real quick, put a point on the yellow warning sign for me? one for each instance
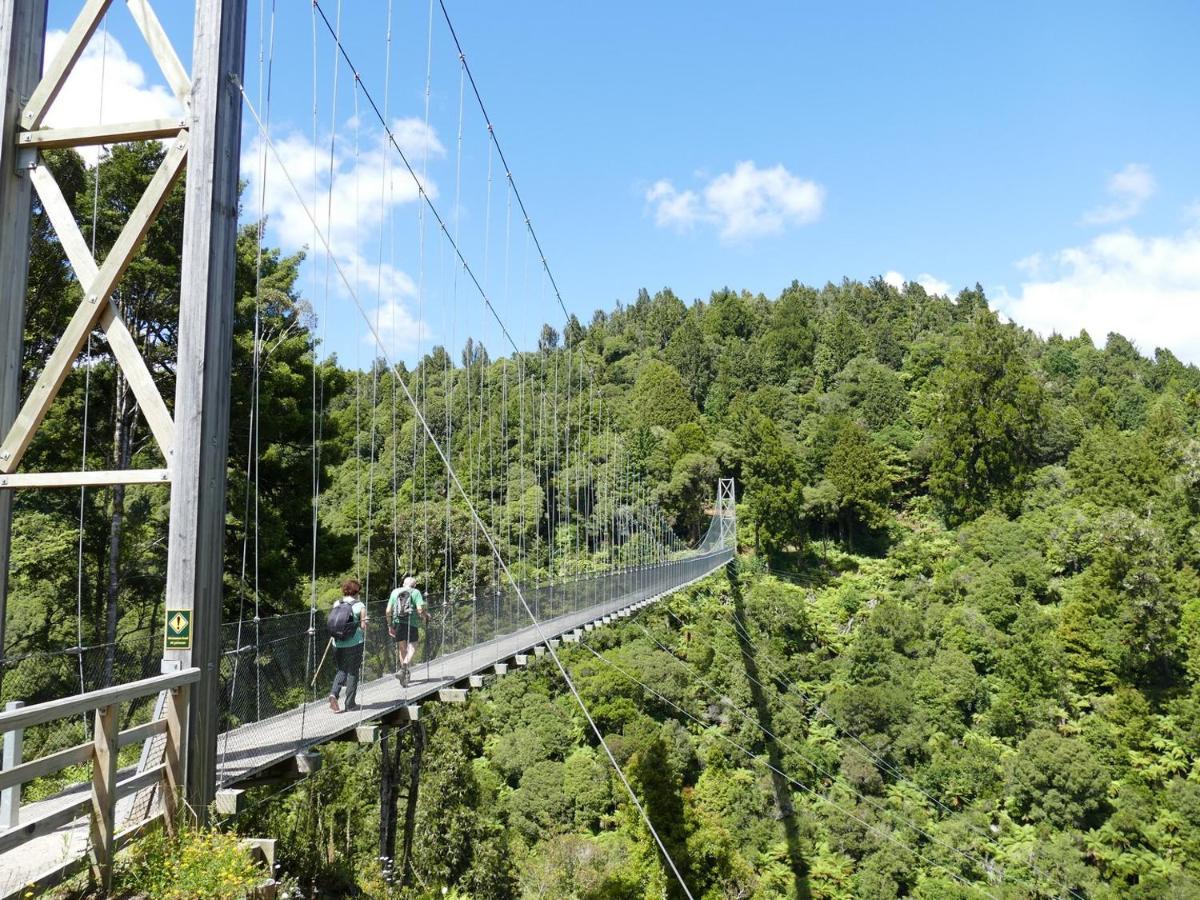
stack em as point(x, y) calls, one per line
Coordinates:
point(179, 629)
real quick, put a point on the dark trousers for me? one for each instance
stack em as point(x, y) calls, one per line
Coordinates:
point(348, 661)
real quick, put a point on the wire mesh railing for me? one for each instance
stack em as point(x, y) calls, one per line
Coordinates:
point(272, 666)
point(277, 666)
point(37, 676)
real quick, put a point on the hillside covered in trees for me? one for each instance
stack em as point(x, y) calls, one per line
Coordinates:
point(960, 653)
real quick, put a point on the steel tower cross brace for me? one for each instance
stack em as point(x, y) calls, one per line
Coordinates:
point(205, 140)
point(727, 510)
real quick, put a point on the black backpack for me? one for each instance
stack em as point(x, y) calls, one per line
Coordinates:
point(401, 605)
point(342, 622)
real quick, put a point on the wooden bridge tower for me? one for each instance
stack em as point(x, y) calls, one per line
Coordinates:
point(204, 142)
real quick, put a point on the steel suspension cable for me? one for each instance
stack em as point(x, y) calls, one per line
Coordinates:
point(452, 475)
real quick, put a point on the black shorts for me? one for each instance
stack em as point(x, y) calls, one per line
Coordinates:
point(408, 633)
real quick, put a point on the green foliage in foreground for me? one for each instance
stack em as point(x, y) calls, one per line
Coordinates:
point(193, 863)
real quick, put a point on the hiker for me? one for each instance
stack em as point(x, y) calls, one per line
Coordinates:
point(405, 610)
point(347, 623)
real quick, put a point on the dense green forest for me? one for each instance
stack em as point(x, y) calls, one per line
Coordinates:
point(959, 653)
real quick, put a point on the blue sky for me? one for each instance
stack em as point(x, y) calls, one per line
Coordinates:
point(1045, 150)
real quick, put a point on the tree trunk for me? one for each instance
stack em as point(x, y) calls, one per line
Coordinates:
point(410, 812)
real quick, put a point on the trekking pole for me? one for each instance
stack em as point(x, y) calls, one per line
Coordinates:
point(317, 674)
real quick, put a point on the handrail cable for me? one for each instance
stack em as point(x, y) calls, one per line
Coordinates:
point(453, 475)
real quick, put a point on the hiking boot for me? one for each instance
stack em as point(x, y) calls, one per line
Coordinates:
point(404, 676)
point(333, 703)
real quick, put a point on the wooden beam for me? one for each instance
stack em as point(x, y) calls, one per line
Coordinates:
point(410, 713)
point(520, 660)
point(22, 38)
point(46, 824)
point(69, 867)
point(174, 752)
point(452, 695)
point(264, 848)
point(145, 779)
point(59, 68)
point(10, 794)
point(141, 382)
point(476, 681)
point(196, 536)
point(39, 713)
point(104, 797)
point(94, 478)
point(128, 356)
point(162, 49)
point(359, 734)
point(46, 765)
point(91, 135)
point(539, 650)
point(500, 669)
point(139, 733)
point(87, 314)
point(307, 762)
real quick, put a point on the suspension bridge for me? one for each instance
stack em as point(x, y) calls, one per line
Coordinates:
point(528, 515)
point(512, 486)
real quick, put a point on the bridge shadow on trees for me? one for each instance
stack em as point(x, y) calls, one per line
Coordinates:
point(779, 784)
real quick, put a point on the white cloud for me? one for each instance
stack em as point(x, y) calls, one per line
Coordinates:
point(366, 188)
point(397, 327)
point(752, 201)
point(931, 284)
point(1130, 189)
point(1146, 288)
point(672, 207)
point(1031, 265)
point(106, 86)
point(745, 203)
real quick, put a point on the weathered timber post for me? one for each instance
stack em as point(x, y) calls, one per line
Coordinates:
point(195, 564)
point(104, 796)
point(22, 35)
point(173, 778)
point(10, 797)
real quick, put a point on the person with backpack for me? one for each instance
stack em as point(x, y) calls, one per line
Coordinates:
point(405, 610)
point(347, 624)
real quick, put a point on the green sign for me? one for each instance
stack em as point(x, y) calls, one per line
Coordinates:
point(179, 629)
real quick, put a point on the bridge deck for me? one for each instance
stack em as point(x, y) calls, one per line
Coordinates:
point(257, 746)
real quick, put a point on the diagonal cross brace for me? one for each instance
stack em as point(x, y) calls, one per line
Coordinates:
point(76, 41)
point(57, 70)
point(164, 52)
point(92, 309)
point(123, 347)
